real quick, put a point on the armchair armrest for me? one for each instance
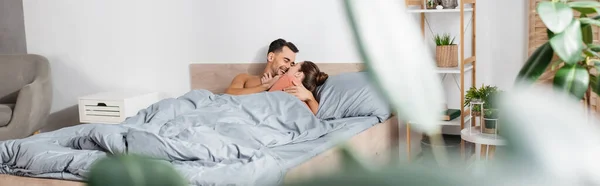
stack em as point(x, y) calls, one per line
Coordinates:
point(33, 104)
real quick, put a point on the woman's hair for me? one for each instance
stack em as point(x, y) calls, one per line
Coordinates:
point(313, 77)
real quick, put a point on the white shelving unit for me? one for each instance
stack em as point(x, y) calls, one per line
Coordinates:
point(465, 63)
point(438, 11)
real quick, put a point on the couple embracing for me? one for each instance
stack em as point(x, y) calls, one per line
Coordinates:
point(282, 73)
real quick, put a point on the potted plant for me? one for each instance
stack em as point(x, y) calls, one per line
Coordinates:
point(490, 120)
point(446, 52)
point(479, 94)
point(431, 4)
point(490, 112)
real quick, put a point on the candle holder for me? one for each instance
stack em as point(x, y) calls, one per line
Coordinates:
point(475, 107)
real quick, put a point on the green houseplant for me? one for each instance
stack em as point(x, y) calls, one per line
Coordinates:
point(431, 4)
point(481, 94)
point(488, 94)
point(570, 38)
point(491, 111)
point(446, 52)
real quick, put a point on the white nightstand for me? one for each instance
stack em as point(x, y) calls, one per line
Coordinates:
point(114, 107)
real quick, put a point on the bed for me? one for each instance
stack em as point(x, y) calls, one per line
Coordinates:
point(374, 142)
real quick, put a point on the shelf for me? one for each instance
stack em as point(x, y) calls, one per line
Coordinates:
point(453, 70)
point(454, 122)
point(456, 10)
point(473, 135)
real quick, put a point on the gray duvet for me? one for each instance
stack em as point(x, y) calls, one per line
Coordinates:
point(211, 139)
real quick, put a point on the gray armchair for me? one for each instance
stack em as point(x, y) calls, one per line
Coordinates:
point(25, 95)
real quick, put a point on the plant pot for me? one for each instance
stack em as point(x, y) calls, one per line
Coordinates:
point(446, 55)
point(476, 113)
point(449, 4)
point(490, 126)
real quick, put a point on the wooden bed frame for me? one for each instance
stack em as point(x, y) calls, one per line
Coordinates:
point(376, 145)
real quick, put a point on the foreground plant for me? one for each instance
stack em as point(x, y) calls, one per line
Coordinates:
point(133, 170)
point(570, 38)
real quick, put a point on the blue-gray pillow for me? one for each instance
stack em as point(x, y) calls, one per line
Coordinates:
point(351, 94)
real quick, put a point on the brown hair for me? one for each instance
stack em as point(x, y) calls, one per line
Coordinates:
point(313, 77)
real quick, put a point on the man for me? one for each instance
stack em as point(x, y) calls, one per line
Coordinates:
point(280, 57)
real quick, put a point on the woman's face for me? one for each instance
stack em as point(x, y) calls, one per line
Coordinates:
point(295, 71)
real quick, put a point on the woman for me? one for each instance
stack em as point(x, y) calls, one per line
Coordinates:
point(302, 80)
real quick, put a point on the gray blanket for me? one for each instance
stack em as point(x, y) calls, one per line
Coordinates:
point(211, 139)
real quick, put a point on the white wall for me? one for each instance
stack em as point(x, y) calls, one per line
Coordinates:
point(147, 45)
point(508, 46)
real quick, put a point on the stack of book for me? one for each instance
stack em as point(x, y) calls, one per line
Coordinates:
point(451, 114)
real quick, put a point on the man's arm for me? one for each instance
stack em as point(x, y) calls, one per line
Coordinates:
point(237, 86)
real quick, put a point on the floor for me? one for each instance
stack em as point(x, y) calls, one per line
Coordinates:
point(421, 149)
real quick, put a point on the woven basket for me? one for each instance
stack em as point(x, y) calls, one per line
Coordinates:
point(446, 55)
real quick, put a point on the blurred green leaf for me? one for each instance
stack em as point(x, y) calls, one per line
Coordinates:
point(555, 64)
point(573, 79)
point(132, 170)
point(595, 80)
point(550, 33)
point(590, 53)
point(587, 34)
point(589, 21)
point(596, 63)
point(594, 84)
point(349, 159)
point(537, 63)
point(594, 47)
point(555, 15)
point(585, 7)
point(567, 44)
point(376, 49)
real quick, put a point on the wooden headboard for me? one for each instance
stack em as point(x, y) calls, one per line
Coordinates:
point(217, 77)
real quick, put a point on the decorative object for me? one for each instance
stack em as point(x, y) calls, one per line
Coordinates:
point(439, 7)
point(476, 103)
point(449, 4)
point(431, 4)
point(446, 52)
point(451, 114)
